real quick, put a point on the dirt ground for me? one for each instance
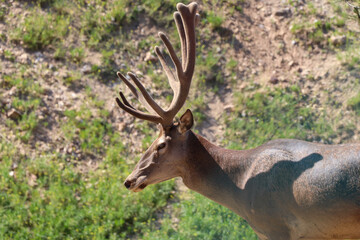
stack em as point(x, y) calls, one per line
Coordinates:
point(259, 38)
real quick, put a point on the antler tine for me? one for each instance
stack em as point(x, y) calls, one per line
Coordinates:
point(189, 18)
point(180, 28)
point(130, 86)
point(138, 95)
point(149, 100)
point(131, 110)
point(186, 27)
point(125, 100)
point(172, 53)
point(174, 84)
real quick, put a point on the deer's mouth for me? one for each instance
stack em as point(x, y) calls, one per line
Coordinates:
point(139, 184)
point(140, 188)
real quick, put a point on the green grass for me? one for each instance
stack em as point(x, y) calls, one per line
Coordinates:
point(272, 114)
point(214, 20)
point(77, 54)
point(39, 29)
point(26, 100)
point(354, 103)
point(64, 203)
point(3, 12)
point(196, 217)
point(9, 55)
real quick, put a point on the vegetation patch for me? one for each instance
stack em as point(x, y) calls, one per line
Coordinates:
point(273, 114)
point(39, 29)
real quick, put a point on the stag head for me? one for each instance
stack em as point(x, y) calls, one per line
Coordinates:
point(165, 157)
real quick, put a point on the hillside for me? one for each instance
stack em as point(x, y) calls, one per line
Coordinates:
point(264, 70)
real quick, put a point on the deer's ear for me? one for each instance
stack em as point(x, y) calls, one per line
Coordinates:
point(186, 121)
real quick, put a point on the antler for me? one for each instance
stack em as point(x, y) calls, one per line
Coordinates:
point(186, 19)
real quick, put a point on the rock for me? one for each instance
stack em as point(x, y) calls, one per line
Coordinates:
point(243, 113)
point(48, 91)
point(39, 57)
point(2, 103)
point(267, 12)
point(86, 69)
point(14, 166)
point(13, 114)
point(12, 91)
point(229, 108)
point(150, 57)
point(52, 67)
point(121, 126)
point(32, 180)
point(338, 40)
point(292, 64)
point(274, 80)
point(285, 12)
point(24, 58)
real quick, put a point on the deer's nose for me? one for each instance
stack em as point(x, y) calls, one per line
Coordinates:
point(127, 184)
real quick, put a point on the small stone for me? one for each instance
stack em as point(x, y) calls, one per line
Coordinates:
point(52, 67)
point(32, 180)
point(14, 166)
point(48, 91)
point(243, 113)
point(285, 12)
point(150, 58)
point(229, 108)
point(338, 40)
point(2, 103)
point(121, 126)
point(274, 80)
point(24, 58)
point(294, 42)
point(69, 150)
point(39, 55)
point(292, 64)
point(12, 91)
point(86, 69)
point(13, 114)
point(137, 73)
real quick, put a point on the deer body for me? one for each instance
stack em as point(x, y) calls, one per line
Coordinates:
point(285, 189)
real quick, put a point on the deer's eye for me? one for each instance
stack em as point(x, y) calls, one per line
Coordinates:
point(161, 146)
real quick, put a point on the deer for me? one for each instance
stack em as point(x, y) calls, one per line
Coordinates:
point(285, 188)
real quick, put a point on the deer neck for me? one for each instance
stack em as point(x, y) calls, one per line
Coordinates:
point(208, 172)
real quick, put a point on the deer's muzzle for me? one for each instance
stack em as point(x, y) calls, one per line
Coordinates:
point(136, 184)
